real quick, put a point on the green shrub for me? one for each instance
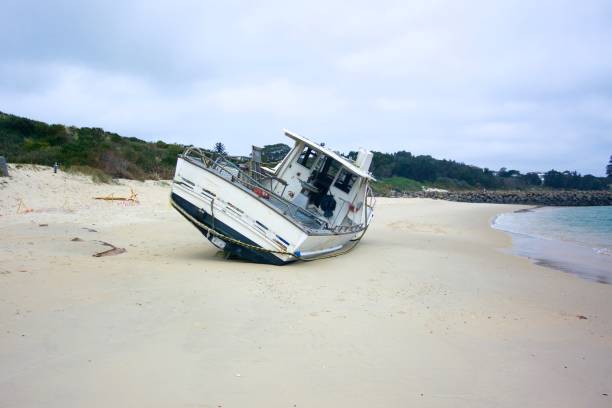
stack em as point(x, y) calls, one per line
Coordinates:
point(387, 185)
point(97, 175)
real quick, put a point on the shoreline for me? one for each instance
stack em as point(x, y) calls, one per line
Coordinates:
point(578, 258)
point(425, 298)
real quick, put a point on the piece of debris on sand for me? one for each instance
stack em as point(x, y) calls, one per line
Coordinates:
point(22, 208)
point(113, 251)
point(132, 198)
point(76, 239)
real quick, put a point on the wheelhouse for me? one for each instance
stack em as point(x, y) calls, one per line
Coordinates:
point(322, 181)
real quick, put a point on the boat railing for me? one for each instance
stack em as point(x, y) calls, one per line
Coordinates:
point(255, 182)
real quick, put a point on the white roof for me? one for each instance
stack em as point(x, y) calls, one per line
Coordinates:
point(327, 152)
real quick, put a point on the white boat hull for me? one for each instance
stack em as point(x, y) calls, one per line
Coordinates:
point(244, 225)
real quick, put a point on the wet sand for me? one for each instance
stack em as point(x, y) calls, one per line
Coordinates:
point(565, 256)
point(429, 310)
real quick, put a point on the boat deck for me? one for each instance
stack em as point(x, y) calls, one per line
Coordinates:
point(234, 175)
point(303, 217)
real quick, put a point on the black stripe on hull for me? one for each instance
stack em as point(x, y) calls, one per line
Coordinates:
point(238, 251)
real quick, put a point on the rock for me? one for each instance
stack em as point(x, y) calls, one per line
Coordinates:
point(538, 198)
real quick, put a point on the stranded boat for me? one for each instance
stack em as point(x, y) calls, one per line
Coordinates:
point(313, 204)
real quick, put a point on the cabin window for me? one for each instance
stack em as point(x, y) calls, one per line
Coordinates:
point(334, 167)
point(345, 181)
point(307, 158)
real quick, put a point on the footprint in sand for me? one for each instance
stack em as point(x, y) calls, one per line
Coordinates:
point(422, 228)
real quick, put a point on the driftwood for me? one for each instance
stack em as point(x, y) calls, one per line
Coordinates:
point(113, 251)
point(133, 197)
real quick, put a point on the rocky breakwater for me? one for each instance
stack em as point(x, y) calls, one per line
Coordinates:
point(542, 197)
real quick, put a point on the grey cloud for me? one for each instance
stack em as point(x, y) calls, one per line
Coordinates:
point(507, 83)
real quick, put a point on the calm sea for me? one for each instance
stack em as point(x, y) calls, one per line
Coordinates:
point(573, 239)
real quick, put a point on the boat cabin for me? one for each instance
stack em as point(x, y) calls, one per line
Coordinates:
point(323, 182)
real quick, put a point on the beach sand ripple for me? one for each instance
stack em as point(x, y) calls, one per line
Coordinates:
point(427, 311)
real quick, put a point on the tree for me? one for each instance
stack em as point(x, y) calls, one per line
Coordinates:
point(554, 179)
point(503, 172)
point(609, 168)
point(382, 164)
point(274, 153)
point(531, 179)
point(219, 149)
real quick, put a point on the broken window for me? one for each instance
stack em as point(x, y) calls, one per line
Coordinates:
point(345, 181)
point(307, 158)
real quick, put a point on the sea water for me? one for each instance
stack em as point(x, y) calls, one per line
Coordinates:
point(572, 239)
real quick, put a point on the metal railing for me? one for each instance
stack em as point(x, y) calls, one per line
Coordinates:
point(255, 184)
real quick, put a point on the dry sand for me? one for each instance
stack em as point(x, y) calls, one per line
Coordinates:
point(428, 311)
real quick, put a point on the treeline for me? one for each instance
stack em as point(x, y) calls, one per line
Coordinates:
point(429, 170)
point(27, 141)
point(574, 181)
point(452, 175)
point(94, 150)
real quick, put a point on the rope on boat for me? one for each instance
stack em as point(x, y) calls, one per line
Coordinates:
point(256, 247)
point(223, 236)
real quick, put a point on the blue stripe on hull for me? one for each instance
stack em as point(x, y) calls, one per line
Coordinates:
point(238, 251)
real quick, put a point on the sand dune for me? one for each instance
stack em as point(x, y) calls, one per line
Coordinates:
point(429, 311)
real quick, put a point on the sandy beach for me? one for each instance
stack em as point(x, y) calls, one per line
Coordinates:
point(430, 310)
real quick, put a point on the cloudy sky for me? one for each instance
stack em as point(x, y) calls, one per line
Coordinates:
point(522, 84)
